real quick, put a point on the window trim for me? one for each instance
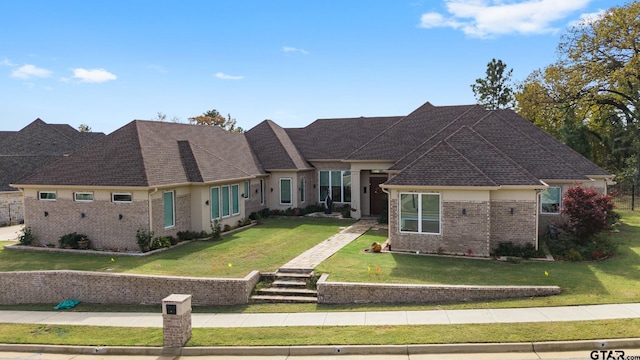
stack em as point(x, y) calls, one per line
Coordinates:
point(40, 193)
point(419, 220)
point(217, 204)
point(75, 196)
point(290, 191)
point(113, 200)
point(247, 189)
point(342, 186)
point(542, 212)
point(173, 208)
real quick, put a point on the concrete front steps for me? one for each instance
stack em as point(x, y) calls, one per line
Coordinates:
point(289, 286)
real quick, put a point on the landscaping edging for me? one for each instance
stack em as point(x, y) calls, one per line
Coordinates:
point(370, 293)
point(34, 287)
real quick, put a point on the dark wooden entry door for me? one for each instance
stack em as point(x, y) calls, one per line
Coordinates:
point(376, 195)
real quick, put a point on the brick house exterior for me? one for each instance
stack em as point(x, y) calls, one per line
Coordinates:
point(453, 179)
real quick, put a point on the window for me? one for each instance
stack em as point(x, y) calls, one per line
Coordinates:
point(285, 191)
point(235, 199)
point(225, 201)
point(420, 213)
point(47, 195)
point(215, 203)
point(169, 209)
point(337, 184)
point(550, 200)
point(121, 197)
point(261, 191)
point(246, 190)
point(83, 196)
point(302, 190)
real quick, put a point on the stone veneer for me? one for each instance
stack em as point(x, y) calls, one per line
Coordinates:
point(35, 287)
point(182, 218)
point(102, 221)
point(368, 293)
point(11, 208)
point(461, 233)
point(518, 228)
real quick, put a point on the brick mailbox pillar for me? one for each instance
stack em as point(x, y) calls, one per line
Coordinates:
point(176, 320)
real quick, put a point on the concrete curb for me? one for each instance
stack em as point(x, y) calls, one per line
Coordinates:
point(319, 350)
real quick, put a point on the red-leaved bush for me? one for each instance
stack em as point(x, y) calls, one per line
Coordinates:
point(588, 212)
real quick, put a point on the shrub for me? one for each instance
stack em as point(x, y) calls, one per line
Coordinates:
point(346, 211)
point(143, 238)
point(190, 235)
point(510, 249)
point(70, 241)
point(216, 230)
point(161, 242)
point(226, 228)
point(27, 237)
point(588, 213)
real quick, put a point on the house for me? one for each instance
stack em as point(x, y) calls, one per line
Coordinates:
point(453, 179)
point(24, 151)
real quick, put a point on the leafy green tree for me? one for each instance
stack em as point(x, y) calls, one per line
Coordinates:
point(494, 91)
point(214, 118)
point(596, 79)
point(84, 128)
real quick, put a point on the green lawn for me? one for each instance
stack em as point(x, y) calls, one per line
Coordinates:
point(614, 280)
point(264, 247)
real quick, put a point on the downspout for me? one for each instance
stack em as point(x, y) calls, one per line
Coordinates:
point(151, 209)
point(388, 214)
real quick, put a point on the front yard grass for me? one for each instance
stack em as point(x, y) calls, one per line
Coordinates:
point(614, 280)
point(264, 247)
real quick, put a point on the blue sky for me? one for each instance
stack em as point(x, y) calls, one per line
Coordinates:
point(105, 63)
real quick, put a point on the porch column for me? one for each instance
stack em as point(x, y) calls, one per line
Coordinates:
point(356, 190)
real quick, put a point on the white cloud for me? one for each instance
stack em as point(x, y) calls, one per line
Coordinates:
point(6, 62)
point(93, 75)
point(487, 18)
point(30, 71)
point(224, 76)
point(290, 49)
point(588, 18)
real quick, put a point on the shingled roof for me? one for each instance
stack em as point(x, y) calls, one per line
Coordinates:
point(274, 148)
point(36, 145)
point(150, 153)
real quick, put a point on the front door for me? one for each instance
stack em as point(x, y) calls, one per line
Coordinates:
point(376, 195)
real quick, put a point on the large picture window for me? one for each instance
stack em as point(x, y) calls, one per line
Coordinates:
point(420, 213)
point(285, 191)
point(225, 201)
point(550, 200)
point(337, 184)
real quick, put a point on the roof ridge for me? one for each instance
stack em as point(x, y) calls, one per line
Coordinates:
point(473, 165)
point(494, 148)
point(282, 135)
point(537, 144)
point(414, 150)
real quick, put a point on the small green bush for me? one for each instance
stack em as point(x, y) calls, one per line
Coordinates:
point(510, 249)
point(70, 241)
point(27, 237)
point(143, 238)
point(161, 242)
point(216, 230)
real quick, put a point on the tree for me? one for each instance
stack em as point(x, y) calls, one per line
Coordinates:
point(494, 91)
point(162, 117)
point(84, 128)
point(214, 118)
point(597, 76)
point(588, 212)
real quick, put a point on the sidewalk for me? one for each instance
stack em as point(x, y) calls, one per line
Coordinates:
point(10, 232)
point(358, 318)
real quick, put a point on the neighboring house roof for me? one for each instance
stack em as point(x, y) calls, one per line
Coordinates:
point(151, 153)
point(274, 148)
point(335, 139)
point(36, 145)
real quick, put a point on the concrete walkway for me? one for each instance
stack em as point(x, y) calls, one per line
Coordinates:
point(10, 232)
point(309, 259)
point(338, 318)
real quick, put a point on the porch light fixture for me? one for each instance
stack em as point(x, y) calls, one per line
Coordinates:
point(256, 191)
point(46, 213)
point(464, 211)
point(120, 216)
point(512, 211)
point(271, 189)
point(206, 202)
point(82, 215)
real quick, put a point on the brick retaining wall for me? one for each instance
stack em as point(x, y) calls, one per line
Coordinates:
point(369, 293)
point(34, 287)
